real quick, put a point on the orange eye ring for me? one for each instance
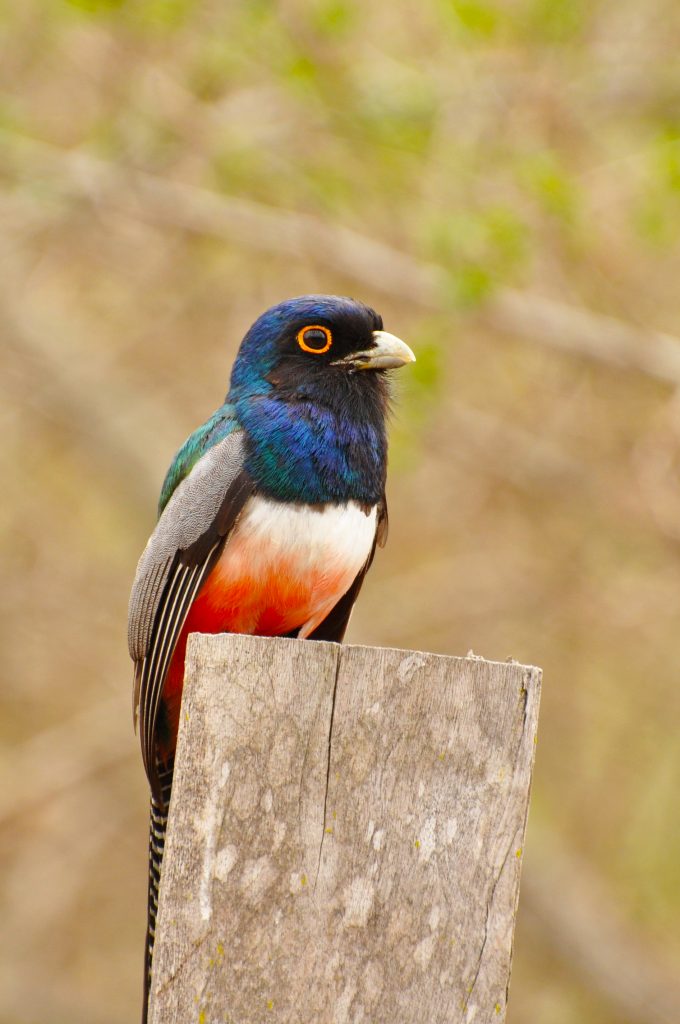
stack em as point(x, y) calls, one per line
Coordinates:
point(305, 345)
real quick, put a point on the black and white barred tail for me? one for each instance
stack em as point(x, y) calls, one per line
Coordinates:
point(157, 828)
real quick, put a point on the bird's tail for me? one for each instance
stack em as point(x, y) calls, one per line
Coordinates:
point(157, 827)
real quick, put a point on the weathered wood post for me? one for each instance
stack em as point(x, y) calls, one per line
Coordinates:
point(345, 836)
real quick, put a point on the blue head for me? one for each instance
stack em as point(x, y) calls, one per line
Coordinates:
point(272, 342)
point(309, 387)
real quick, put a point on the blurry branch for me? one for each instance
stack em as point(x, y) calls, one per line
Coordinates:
point(564, 899)
point(251, 224)
point(376, 265)
point(601, 338)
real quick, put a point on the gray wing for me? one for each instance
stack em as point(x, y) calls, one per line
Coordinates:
point(177, 559)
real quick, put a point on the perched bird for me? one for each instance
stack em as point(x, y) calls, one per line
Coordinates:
point(269, 515)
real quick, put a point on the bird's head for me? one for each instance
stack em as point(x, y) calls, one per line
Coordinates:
point(304, 346)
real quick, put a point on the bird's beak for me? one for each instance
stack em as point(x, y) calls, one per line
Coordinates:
point(387, 353)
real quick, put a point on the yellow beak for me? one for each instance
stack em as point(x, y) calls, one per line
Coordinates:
point(387, 353)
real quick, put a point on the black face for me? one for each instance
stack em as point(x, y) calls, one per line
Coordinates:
point(304, 347)
point(326, 334)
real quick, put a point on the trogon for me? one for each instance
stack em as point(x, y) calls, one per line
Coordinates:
point(269, 515)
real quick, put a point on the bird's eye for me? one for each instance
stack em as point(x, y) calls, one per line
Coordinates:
point(314, 339)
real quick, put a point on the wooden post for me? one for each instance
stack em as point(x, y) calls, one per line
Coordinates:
point(345, 835)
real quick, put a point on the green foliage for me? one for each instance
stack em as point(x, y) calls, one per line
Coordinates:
point(97, 6)
point(426, 376)
point(419, 391)
point(664, 162)
point(149, 16)
point(333, 18)
point(534, 22)
point(163, 15)
point(478, 17)
point(479, 249)
point(545, 178)
point(656, 214)
point(557, 21)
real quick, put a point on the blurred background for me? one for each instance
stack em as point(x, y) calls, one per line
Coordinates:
point(501, 180)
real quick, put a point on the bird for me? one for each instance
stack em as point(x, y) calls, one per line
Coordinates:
point(269, 515)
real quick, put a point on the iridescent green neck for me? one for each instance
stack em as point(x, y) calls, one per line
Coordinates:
point(220, 424)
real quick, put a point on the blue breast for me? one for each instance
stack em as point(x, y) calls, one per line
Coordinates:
point(311, 452)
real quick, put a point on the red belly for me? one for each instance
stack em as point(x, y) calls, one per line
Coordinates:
point(282, 569)
point(272, 605)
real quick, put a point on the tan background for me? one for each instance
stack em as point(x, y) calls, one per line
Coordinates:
point(502, 181)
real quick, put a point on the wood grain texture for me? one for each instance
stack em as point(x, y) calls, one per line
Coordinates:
point(345, 835)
